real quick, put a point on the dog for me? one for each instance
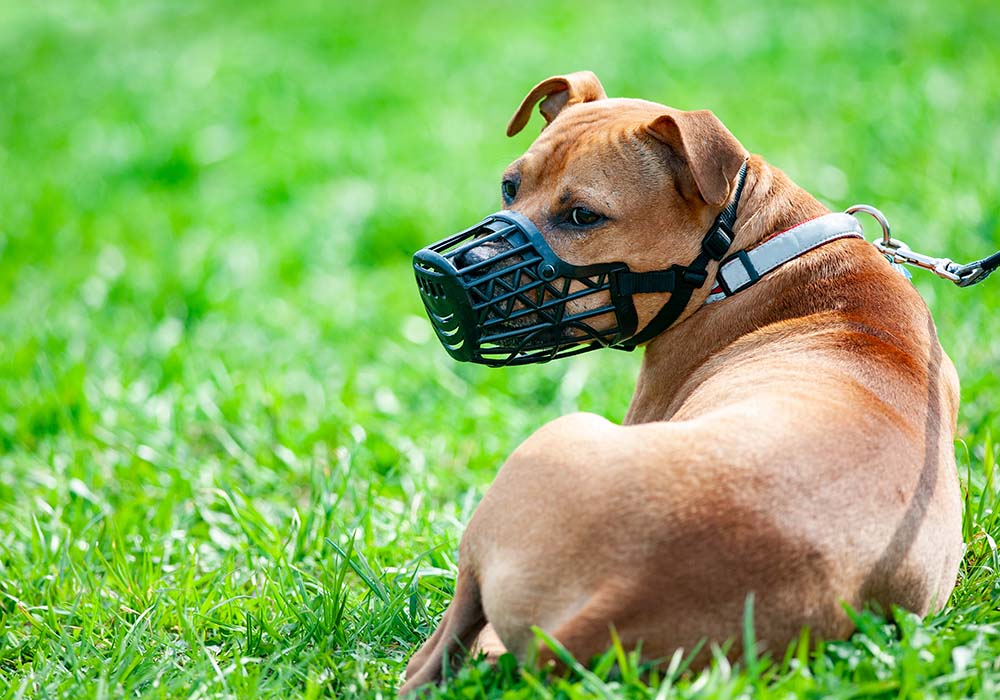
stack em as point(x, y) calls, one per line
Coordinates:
point(793, 440)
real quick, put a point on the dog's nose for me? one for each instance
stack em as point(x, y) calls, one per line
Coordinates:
point(482, 253)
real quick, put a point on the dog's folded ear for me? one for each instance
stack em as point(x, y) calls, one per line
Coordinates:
point(559, 92)
point(713, 155)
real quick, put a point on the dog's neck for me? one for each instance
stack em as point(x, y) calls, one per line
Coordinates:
point(770, 203)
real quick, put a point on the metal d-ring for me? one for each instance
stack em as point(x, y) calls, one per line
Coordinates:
point(879, 217)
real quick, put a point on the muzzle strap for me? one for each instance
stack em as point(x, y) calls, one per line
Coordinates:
point(683, 280)
point(646, 282)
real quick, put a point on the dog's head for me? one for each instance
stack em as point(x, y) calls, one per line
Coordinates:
point(621, 180)
point(606, 213)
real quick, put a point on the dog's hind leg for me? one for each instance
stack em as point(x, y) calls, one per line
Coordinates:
point(489, 643)
point(587, 632)
point(459, 627)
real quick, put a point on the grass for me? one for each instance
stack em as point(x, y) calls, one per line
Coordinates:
point(233, 461)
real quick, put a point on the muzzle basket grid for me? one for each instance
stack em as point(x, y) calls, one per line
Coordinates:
point(497, 295)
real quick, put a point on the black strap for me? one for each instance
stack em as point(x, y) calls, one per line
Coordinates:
point(682, 280)
point(629, 283)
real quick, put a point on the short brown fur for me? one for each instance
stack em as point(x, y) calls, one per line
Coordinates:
point(793, 441)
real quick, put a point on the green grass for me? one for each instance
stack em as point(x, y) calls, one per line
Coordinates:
point(233, 460)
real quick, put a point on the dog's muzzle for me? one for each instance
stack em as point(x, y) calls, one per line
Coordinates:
point(497, 295)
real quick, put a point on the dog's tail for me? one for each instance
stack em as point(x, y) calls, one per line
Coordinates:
point(461, 623)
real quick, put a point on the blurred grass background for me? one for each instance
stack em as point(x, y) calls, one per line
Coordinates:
point(214, 369)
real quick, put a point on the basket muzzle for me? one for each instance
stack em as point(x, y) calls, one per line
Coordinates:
point(498, 295)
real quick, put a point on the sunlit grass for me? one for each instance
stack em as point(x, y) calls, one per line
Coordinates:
point(233, 461)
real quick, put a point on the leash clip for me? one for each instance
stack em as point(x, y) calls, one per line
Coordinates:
point(898, 252)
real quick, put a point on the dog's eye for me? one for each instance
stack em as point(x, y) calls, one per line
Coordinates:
point(584, 217)
point(509, 189)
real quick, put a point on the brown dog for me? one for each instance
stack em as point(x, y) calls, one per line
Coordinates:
point(793, 440)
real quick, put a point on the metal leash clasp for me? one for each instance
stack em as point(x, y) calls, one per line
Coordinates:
point(898, 252)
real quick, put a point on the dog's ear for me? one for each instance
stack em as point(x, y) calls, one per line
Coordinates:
point(713, 155)
point(559, 92)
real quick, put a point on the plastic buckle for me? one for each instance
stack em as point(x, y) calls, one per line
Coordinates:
point(717, 242)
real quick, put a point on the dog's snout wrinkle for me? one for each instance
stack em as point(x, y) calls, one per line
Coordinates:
point(482, 253)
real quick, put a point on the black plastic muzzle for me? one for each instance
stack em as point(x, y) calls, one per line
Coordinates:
point(498, 295)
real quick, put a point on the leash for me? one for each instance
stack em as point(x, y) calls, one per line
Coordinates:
point(898, 252)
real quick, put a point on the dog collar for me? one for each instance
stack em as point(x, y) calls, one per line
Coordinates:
point(746, 267)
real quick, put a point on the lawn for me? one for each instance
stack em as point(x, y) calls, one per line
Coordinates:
point(234, 462)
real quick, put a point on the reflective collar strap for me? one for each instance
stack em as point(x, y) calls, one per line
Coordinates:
point(745, 267)
point(680, 280)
